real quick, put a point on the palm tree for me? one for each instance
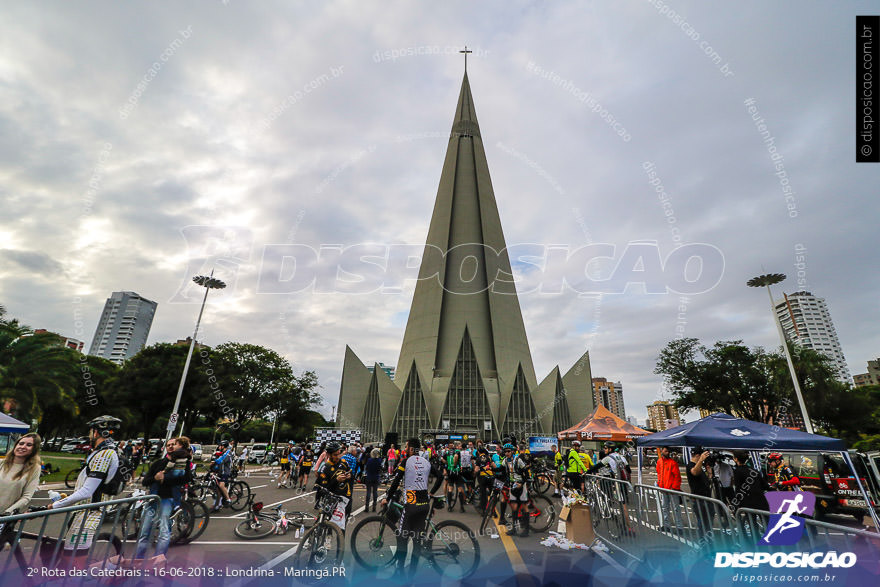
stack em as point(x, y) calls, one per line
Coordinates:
point(35, 372)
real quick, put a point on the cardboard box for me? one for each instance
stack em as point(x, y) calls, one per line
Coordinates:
point(564, 514)
point(579, 526)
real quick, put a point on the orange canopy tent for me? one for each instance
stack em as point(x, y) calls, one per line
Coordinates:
point(602, 425)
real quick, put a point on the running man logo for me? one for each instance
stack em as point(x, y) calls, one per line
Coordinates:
point(786, 527)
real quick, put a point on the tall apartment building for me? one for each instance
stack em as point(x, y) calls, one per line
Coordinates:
point(872, 377)
point(806, 322)
point(124, 326)
point(662, 415)
point(610, 395)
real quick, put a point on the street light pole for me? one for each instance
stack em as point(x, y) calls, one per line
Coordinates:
point(767, 281)
point(208, 283)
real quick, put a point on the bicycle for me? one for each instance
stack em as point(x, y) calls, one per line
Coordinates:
point(322, 545)
point(542, 479)
point(73, 475)
point(189, 519)
point(604, 508)
point(260, 523)
point(239, 491)
point(541, 511)
point(471, 494)
point(446, 545)
point(51, 550)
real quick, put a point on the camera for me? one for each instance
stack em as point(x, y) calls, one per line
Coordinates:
point(716, 457)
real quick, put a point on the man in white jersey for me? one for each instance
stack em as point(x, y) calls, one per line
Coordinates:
point(413, 470)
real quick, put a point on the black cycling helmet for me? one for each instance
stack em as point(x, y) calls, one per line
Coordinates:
point(609, 445)
point(332, 447)
point(107, 424)
point(224, 443)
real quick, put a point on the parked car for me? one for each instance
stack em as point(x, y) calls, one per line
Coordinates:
point(54, 444)
point(257, 453)
point(826, 475)
point(74, 445)
point(154, 447)
point(197, 451)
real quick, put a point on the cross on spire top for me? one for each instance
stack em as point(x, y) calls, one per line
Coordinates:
point(465, 51)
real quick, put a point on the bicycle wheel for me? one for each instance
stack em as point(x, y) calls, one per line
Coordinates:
point(489, 512)
point(239, 495)
point(255, 528)
point(70, 478)
point(452, 549)
point(542, 513)
point(182, 523)
point(373, 543)
point(542, 483)
point(322, 547)
point(132, 520)
point(200, 521)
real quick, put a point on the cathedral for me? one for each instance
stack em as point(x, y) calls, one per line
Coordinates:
point(465, 366)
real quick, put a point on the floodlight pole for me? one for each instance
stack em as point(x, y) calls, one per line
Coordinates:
point(208, 283)
point(767, 281)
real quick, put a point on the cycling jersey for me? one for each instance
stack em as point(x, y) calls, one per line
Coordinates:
point(786, 479)
point(307, 458)
point(414, 473)
point(576, 462)
point(559, 461)
point(329, 479)
point(465, 459)
point(453, 465)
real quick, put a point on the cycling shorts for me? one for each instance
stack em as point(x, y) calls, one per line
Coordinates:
point(285, 466)
point(467, 475)
point(305, 470)
point(412, 521)
point(455, 479)
point(519, 493)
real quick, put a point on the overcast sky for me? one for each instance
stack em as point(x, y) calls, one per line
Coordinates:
point(143, 144)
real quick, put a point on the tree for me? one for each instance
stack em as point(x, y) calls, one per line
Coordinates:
point(148, 383)
point(249, 381)
point(729, 377)
point(36, 373)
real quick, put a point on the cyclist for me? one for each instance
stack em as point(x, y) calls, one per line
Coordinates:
point(454, 481)
point(784, 478)
point(487, 464)
point(516, 473)
point(284, 459)
point(558, 470)
point(222, 465)
point(467, 468)
point(413, 472)
point(576, 466)
point(242, 460)
point(305, 466)
point(335, 476)
point(101, 467)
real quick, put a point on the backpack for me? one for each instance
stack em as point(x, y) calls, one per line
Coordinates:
point(116, 484)
point(624, 471)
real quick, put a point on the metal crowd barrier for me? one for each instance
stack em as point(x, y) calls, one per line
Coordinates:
point(817, 536)
point(640, 519)
point(37, 546)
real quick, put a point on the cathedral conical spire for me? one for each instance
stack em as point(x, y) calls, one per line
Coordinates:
point(466, 281)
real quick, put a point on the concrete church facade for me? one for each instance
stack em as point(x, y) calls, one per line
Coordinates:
point(465, 363)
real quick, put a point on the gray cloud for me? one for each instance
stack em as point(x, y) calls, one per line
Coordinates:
point(245, 125)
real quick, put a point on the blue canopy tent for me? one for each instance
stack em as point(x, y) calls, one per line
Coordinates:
point(726, 432)
point(9, 426)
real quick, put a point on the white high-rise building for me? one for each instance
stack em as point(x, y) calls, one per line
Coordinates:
point(806, 322)
point(124, 326)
